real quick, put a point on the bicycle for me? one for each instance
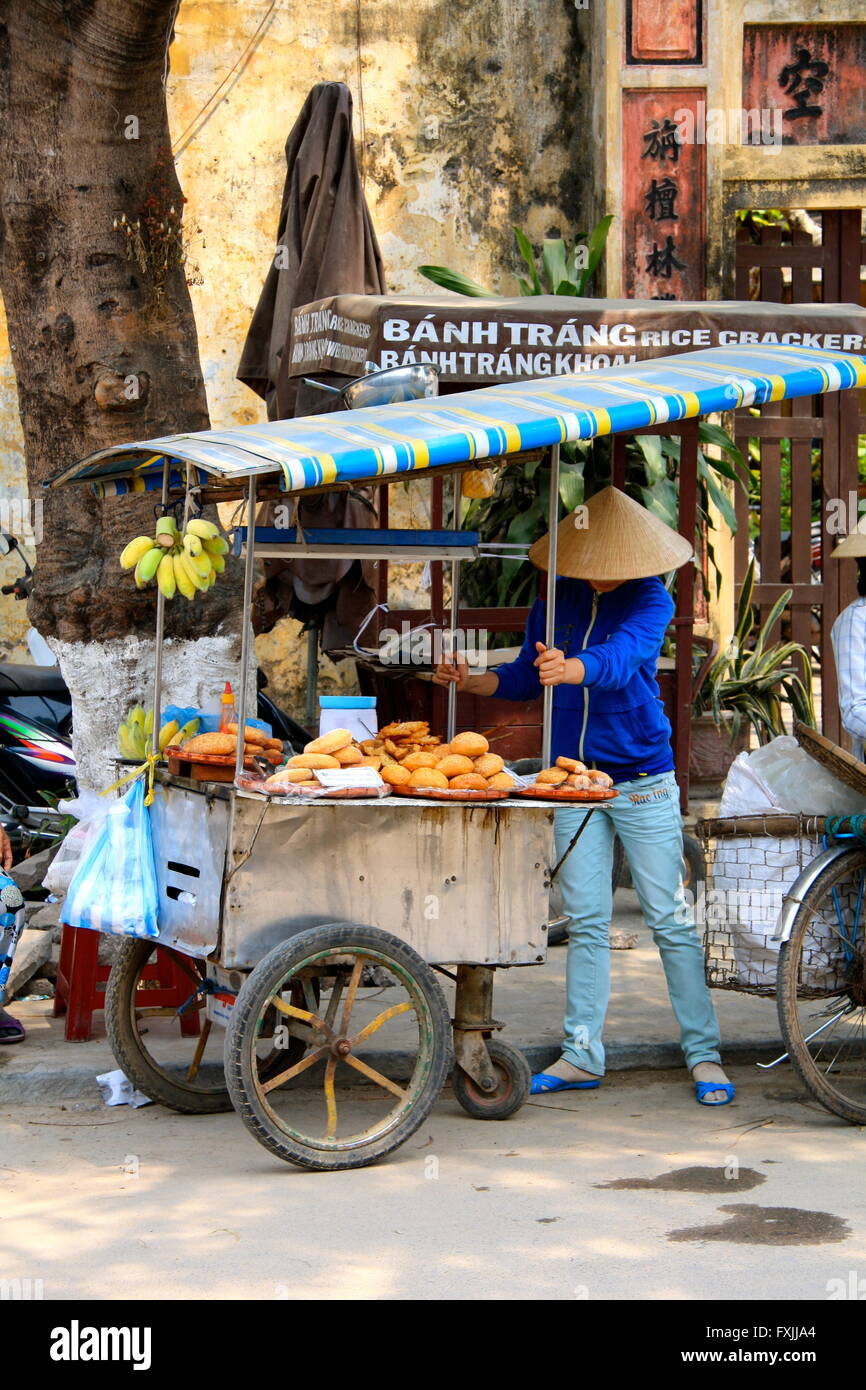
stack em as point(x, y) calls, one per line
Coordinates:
point(821, 979)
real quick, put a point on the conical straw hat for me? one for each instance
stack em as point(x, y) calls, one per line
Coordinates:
point(613, 538)
point(854, 545)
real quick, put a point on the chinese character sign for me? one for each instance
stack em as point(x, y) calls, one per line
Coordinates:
point(810, 77)
point(663, 194)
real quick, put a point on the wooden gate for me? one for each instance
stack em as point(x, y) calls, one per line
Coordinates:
point(781, 268)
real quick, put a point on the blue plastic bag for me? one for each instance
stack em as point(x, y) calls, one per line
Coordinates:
point(11, 926)
point(114, 888)
point(208, 723)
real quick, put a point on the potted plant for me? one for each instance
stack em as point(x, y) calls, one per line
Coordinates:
point(746, 688)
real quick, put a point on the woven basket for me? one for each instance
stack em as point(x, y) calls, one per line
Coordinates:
point(752, 862)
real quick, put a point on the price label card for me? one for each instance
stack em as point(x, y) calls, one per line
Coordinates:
point(348, 777)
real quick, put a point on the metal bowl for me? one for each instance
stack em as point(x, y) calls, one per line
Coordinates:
point(410, 383)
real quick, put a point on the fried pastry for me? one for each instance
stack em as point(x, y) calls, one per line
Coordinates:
point(415, 760)
point(395, 775)
point(454, 765)
point(552, 776)
point(314, 760)
point(211, 743)
point(427, 777)
point(288, 774)
point(251, 734)
point(599, 779)
point(468, 781)
point(470, 745)
point(571, 764)
point(489, 764)
point(330, 742)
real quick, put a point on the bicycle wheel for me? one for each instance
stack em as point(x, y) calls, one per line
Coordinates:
point(821, 988)
point(174, 1060)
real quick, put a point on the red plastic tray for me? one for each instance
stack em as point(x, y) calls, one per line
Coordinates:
point(569, 793)
point(458, 794)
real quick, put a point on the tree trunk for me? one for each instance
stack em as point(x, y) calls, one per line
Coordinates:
point(103, 342)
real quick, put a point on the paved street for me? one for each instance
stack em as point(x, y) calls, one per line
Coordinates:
point(116, 1203)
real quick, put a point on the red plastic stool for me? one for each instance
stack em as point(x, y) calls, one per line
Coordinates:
point(79, 977)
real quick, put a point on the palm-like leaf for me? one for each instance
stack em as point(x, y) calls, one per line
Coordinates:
point(524, 246)
point(595, 248)
point(453, 280)
point(554, 263)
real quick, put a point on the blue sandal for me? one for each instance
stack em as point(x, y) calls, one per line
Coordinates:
point(11, 1030)
point(703, 1088)
point(543, 1082)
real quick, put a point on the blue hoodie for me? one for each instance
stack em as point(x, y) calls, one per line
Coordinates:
point(615, 719)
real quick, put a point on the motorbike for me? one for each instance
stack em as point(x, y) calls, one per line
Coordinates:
point(37, 765)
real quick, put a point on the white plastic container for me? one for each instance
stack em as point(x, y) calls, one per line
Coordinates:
point(357, 713)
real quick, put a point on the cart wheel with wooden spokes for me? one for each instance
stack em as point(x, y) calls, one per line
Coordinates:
point(175, 1058)
point(375, 1055)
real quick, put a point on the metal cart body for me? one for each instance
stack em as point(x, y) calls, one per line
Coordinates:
point(234, 873)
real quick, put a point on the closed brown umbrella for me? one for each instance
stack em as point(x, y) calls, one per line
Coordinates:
point(325, 245)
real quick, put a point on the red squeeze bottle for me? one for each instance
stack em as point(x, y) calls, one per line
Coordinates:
point(228, 711)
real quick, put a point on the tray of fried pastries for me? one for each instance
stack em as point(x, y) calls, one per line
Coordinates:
point(570, 780)
point(417, 763)
point(332, 765)
point(211, 757)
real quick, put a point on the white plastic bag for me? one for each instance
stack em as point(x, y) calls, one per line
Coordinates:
point(801, 784)
point(117, 1089)
point(745, 792)
point(781, 776)
point(114, 887)
point(91, 810)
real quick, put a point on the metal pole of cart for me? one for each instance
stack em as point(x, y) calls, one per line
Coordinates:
point(550, 631)
point(160, 633)
point(249, 568)
point(453, 615)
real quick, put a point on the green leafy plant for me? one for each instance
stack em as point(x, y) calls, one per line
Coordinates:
point(753, 679)
point(562, 270)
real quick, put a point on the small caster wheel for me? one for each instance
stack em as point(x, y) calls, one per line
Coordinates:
point(514, 1080)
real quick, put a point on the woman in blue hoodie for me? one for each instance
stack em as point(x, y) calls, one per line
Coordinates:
point(611, 616)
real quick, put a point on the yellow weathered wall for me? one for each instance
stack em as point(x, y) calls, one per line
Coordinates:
point(13, 616)
point(472, 122)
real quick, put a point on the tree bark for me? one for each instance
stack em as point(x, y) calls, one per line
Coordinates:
point(104, 346)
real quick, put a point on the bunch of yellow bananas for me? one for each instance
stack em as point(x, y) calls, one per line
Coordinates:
point(135, 734)
point(187, 563)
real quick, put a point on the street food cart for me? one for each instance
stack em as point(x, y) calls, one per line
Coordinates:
point(318, 930)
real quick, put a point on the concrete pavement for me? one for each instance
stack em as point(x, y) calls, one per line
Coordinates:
point(763, 1199)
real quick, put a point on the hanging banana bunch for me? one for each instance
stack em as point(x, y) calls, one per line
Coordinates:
point(185, 563)
point(135, 734)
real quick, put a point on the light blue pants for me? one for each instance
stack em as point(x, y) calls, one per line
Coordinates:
point(646, 816)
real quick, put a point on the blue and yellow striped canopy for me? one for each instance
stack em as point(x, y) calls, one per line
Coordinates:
point(382, 443)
